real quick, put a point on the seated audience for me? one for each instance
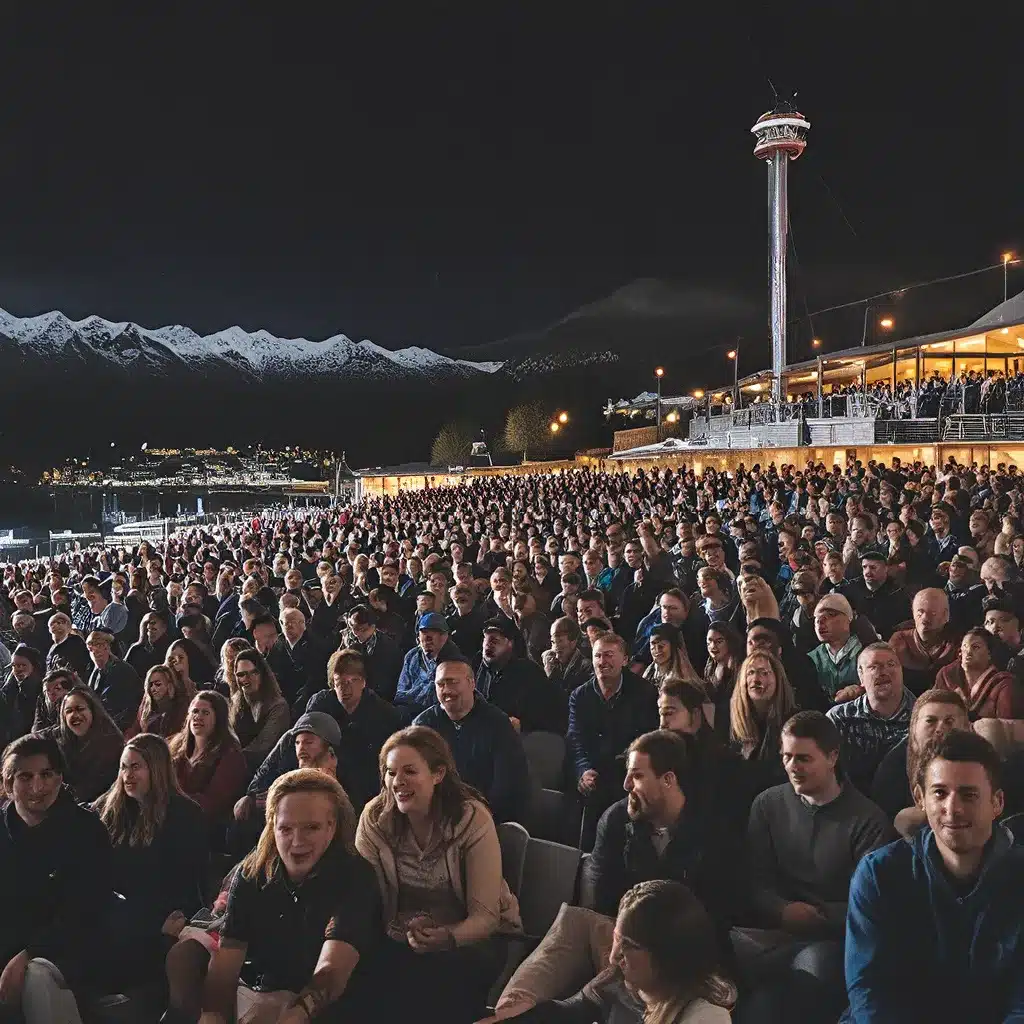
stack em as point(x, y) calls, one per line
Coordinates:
point(761, 702)
point(151, 647)
point(382, 655)
point(804, 841)
point(934, 929)
point(567, 662)
point(68, 649)
point(434, 848)
point(302, 926)
point(877, 597)
point(365, 720)
point(20, 694)
point(668, 656)
point(259, 714)
point(835, 659)
point(872, 724)
point(415, 690)
point(163, 706)
point(662, 966)
point(209, 765)
point(605, 716)
point(987, 689)
point(934, 713)
point(116, 684)
point(487, 750)
point(56, 878)
point(725, 655)
point(55, 684)
point(90, 743)
point(518, 686)
point(930, 645)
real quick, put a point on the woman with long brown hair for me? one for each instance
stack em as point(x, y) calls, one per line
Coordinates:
point(224, 681)
point(160, 864)
point(259, 715)
point(433, 845)
point(761, 702)
point(725, 655)
point(164, 702)
point(90, 741)
point(668, 657)
point(208, 760)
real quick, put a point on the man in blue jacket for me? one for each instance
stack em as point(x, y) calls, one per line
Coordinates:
point(935, 928)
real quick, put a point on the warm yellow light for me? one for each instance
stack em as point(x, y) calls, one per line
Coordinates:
point(1005, 330)
point(660, 371)
point(554, 428)
point(1007, 257)
point(698, 393)
point(886, 322)
point(731, 353)
point(672, 417)
point(816, 343)
point(755, 387)
point(563, 417)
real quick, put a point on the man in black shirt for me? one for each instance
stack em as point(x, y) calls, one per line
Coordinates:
point(303, 917)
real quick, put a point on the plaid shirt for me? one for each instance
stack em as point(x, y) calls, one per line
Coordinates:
point(867, 737)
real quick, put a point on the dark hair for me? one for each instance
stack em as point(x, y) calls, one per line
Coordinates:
point(263, 619)
point(592, 595)
point(30, 654)
point(813, 725)
point(363, 615)
point(964, 747)
point(690, 695)
point(667, 752)
point(31, 745)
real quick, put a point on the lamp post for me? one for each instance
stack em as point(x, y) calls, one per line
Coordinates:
point(1007, 260)
point(659, 372)
point(734, 355)
point(887, 323)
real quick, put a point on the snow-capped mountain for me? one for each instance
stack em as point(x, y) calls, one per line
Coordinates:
point(53, 343)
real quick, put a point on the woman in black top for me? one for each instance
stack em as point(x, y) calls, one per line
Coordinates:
point(302, 919)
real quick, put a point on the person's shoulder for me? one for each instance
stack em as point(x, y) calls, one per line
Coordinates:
point(430, 716)
point(615, 817)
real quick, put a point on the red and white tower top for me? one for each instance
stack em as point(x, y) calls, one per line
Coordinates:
point(780, 131)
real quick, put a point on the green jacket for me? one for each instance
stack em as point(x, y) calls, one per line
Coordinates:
point(833, 677)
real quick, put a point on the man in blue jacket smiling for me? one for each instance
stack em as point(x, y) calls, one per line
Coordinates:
point(935, 928)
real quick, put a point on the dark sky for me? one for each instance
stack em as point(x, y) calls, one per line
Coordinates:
point(445, 180)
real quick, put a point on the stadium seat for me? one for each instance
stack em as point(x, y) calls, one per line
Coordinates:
point(549, 880)
point(555, 816)
point(545, 754)
point(514, 840)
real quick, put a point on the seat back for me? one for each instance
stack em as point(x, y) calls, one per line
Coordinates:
point(549, 880)
point(545, 754)
point(555, 816)
point(513, 840)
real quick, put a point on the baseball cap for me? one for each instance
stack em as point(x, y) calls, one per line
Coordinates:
point(500, 624)
point(835, 603)
point(433, 620)
point(320, 724)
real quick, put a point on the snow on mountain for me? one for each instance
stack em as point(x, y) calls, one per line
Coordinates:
point(257, 354)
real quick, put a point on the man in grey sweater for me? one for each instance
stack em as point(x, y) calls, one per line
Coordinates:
point(805, 839)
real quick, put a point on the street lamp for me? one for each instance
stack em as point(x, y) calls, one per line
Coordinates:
point(1007, 260)
point(816, 342)
point(659, 372)
point(734, 355)
point(554, 427)
point(887, 323)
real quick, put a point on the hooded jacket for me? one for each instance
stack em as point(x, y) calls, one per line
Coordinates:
point(919, 948)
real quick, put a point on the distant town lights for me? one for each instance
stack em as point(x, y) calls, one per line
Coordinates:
point(563, 417)
point(554, 426)
point(698, 393)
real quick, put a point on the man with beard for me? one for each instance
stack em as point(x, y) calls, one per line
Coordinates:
point(652, 833)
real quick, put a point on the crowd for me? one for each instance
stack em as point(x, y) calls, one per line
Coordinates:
point(969, 392)
point(260, 770)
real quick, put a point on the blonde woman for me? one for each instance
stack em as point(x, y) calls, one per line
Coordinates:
point(433, 845)
point(761, 702)
point(225, 679)
point(164, 703)
point(302, 916)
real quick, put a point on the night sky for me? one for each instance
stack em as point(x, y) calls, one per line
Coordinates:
point(448, 180)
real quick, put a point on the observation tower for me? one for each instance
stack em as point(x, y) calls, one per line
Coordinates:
point(781, 136)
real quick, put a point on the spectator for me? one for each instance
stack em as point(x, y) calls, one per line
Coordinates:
point(669, 657)
point(835, 660)
point(68, 648)
point(301, 929)
point(20, 694)
point(55, 685)
point(381, 654)
point(517, 686)
point(987, 690)
point(90, 744)
point(725, 655)
point(872, 724)
point(930, 645)
point(49, 844)
point(761, 703)
point(259, 714)
point(487, 750)
point(208, 761)
point(567, 662)
point(301, 657)
point(875, 596)
point(416, 682)
point(434, 848)
point(804, 841)
point(605, 716)
point(934, 713)
point(225, 682)
point(365, 722)
point(116, 684)
point(151, 647)
point(163, 706)
point(934, 930)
